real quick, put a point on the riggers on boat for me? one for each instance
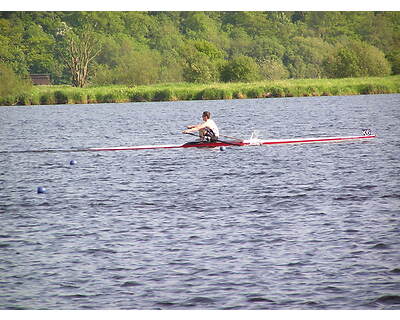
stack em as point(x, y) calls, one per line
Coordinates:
point(228, 142)
point(233, 142)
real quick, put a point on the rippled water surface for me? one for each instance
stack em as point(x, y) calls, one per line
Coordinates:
point(312, 226)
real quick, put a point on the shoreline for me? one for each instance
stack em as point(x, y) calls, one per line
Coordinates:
point(63, 94)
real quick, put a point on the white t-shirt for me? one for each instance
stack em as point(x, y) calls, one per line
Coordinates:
point(211, 124)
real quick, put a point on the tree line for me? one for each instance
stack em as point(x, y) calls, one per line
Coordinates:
point(136, 48)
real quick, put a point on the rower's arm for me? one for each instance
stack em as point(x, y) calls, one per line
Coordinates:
point(194, 128)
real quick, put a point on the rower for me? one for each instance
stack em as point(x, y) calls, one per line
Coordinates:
point(208, 130)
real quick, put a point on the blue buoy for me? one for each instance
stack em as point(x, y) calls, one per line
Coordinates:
point(41, 190)
point(222, 148)
point(72, 162)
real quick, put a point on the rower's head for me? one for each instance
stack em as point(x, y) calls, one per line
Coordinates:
point(206, 115)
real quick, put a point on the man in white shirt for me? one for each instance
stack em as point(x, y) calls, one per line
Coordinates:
point(208, 130)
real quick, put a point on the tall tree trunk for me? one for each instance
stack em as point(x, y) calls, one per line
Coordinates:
point(82, 49)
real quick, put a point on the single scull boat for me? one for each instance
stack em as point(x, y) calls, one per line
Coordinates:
point(253, 141)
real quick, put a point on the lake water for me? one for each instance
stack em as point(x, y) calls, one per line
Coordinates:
point(312, 226)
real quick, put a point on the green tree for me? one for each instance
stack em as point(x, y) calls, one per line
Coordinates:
point(380, 29)
point(263, 47)
point(272, 69)
point(166, 38)
point(39, 51)
point(241, 68)
point(103, 75)
point(138, 68)
point(356, 59)
point(200, 26)
point(140, 26)
point(253, 23)
point(394, 59)
point(240, 42)
point(12, 86)
point(11, 49)
point(329, 24)
point(345, 63)
point(304, 57)
point(202, 61)
point(82, 48)
point(372, 60)
point(172, 67)
point(209, 49)
point(113, 48)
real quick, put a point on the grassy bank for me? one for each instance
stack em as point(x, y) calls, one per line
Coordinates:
point(188, 91)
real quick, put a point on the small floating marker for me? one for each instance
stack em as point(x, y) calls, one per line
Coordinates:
point(222, 148)
point(41, 190)
point(72, 162)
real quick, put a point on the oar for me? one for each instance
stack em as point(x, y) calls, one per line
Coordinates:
point(226, 142)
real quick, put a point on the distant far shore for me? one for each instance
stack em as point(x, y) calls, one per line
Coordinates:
point(61, 94)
